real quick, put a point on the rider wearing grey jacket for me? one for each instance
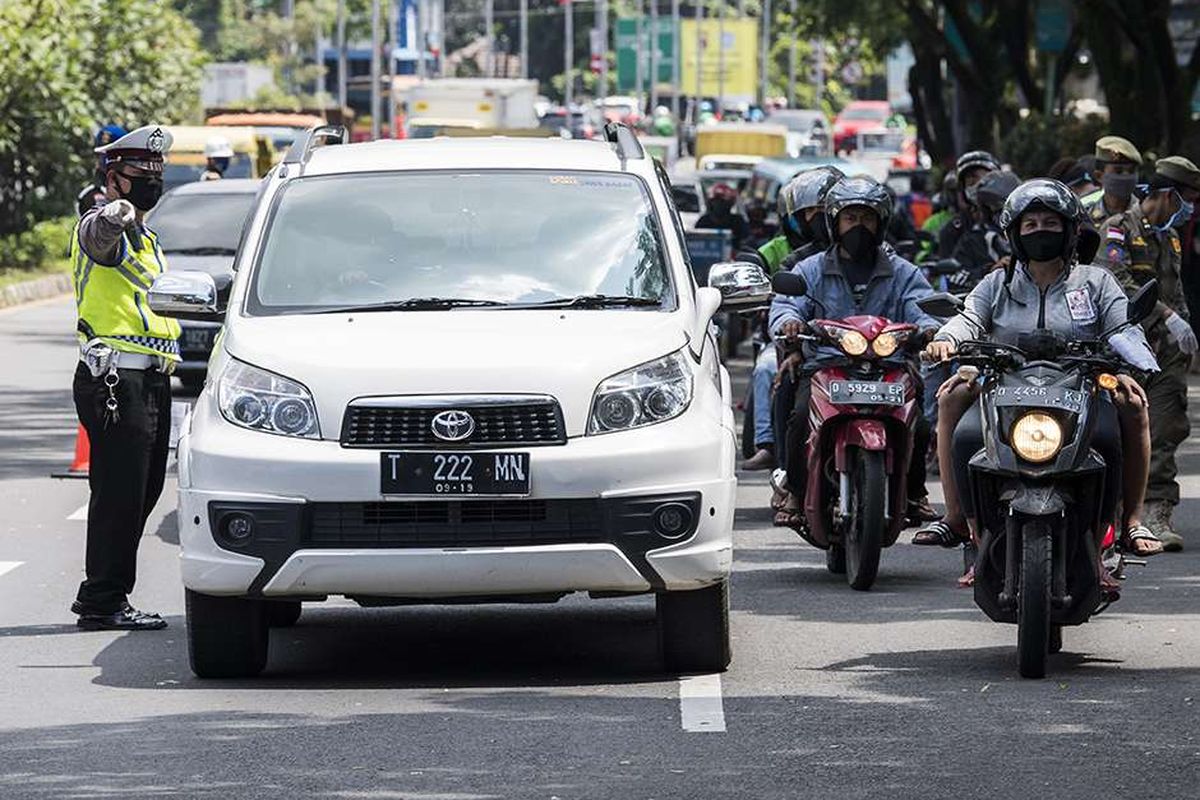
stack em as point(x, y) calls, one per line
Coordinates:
point(1044, 289)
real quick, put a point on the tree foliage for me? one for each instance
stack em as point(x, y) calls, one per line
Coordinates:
point(68, 66)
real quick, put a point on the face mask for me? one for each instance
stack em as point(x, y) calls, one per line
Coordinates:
point(1043, 245)
point(1119, 184)
point(220, 164)
point(972, 192)
point(1185, 213)
point(1181, 215)
point(144, 192)
point(860, 244)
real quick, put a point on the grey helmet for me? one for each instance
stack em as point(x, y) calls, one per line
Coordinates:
point(976, 159)
point(807, 190)
point(858, 191)
point(1048, 194)
point(994, 189)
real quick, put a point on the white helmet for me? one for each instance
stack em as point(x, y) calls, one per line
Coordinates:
point(218, 147)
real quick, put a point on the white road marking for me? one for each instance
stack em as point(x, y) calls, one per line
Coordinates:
point(79, 514)
point(700, 707)
point(9, 566)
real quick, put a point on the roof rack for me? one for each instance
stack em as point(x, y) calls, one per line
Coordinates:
point(311, 139)
point(623, 141)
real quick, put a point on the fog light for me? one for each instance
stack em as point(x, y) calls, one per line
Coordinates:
point(237, 528)
point(672, 520)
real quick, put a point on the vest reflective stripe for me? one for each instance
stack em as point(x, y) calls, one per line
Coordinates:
point(112, 303)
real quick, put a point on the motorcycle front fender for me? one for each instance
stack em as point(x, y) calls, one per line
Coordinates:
point(1037, 501)
point(865, 434)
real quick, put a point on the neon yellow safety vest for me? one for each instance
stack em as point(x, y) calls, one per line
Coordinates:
point(111, 301)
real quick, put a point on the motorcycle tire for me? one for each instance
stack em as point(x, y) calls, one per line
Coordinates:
point(835, 559)
point(864, 535)
point(748, 443)
point(1056, 643)
point(1033, 600)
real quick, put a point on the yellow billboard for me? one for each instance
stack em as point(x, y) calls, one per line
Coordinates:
point(730, 47)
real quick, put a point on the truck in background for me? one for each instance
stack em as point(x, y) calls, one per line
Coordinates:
point(471, 103)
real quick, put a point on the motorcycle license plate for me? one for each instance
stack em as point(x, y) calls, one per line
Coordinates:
point(1041, 396)
point(866, 393)
point(449, 474)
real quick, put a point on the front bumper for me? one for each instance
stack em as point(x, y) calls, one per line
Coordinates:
point(335, 534)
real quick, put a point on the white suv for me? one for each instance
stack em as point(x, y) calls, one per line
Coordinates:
point(456, 370)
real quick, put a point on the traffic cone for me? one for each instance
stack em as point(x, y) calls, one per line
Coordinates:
point(81, 463)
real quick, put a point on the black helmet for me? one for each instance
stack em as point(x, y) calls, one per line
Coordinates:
point(807, 190)
point(860, 191)
point(1047, 194)
point(976, 159)
point(994, 189)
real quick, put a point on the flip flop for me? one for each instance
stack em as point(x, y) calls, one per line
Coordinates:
point(1140, 533)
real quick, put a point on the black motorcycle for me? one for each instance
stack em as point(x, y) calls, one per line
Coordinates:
point(1038, 483)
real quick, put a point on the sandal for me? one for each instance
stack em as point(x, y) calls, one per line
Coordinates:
point(1140, 533)
point(789, 518)
point(938, 533)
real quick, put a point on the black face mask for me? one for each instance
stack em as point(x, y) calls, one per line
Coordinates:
point(860, 244)
point(144, 192)
point(1043, 245)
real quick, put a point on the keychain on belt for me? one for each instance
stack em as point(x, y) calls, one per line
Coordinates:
point(112, 414)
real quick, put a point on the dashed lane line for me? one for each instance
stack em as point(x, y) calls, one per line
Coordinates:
point(700, 706)
point(9, 566)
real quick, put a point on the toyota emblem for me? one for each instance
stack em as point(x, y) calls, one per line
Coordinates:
point(453, 426)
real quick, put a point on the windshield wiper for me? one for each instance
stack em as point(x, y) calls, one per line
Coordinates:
point(203, 251)
point(595, 301)
point(415, 304)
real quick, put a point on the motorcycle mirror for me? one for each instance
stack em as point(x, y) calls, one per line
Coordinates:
point(1143, 302)
point(941, 304)
point(1088, 245)
point(945, 266)
point(789, 283)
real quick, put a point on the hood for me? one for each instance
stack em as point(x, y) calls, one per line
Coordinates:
point(561, 353)
point(213, 265)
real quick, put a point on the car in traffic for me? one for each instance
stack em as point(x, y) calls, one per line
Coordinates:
point(807, 130)
point(579, 122)
point(772, 174)
point(856, 116)
point(199, 225)
point(460, 371)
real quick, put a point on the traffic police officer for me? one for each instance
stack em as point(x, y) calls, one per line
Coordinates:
point(217, 153)
point(1117, 162)
point(93, 194)
point(1142, 244)
point(122, 385)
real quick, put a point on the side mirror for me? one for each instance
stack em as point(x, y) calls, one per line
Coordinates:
point(743, 286)
point(944, 266)
point(941, 304)
point(188, 294)
point(1143, 302)
point(789, 284)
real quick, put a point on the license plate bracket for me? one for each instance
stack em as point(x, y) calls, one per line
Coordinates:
point(866, 393)
point(451, 474)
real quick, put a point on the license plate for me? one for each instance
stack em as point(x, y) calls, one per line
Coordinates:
point(866, 393)
point(1041, 396)
point(198, 338)
point(454, 473)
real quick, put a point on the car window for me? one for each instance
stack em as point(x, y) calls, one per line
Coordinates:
point(177, 174)
point(864, 113)
point(201, 221)
point(511, 237)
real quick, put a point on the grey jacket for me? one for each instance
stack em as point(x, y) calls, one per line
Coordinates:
point(1083, 303)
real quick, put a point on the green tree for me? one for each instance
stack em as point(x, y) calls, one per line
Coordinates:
point(68, 66)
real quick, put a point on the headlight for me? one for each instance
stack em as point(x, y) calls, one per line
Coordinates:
point(853, 343)
point(653, 392)
point(1037, 437)
point(263, 401)
point(885, 344)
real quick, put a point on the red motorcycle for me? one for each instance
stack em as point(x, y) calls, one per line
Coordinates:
point(863, 412)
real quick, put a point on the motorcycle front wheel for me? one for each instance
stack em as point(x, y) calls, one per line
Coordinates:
point(1033, 600)
point(863, 541)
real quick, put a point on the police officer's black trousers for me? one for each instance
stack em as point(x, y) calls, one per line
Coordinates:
point(798, 431)
point(128, 466)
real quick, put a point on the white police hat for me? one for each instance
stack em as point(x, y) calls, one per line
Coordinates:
point(144, 148)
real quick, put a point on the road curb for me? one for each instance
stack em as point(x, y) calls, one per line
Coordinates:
point(37, 289)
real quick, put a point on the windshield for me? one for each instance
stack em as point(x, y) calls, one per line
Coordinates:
point(176, 174)
point(865, 113)
point(796, 123)
point(209, 221)
point(499, 237)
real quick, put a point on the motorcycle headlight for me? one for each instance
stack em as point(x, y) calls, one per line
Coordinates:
point(653, 392)
point(263, 401)
point(853, 343)
point(885, 344)
point(1037, 437)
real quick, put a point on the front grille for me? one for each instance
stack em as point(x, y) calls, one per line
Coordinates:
point(470, 523)
point(528, 422)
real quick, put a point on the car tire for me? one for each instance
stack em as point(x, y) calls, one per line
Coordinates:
point(693, 629)
point(283, 614)
point(227, 636)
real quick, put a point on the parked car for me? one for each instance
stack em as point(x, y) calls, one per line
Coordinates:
point(460, 371)
point(199, 225)
point(858, 115)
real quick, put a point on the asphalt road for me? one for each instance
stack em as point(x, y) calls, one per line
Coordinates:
point(902, 692)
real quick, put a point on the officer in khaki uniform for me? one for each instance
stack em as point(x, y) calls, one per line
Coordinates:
point(122, 385)
point(1142, 244)
point(1117, 162)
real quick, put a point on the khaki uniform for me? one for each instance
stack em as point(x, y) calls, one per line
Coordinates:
point(1098, 214)
point(1136, 254)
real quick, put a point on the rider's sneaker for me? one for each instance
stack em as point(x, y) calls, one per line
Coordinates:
point(1158, 520)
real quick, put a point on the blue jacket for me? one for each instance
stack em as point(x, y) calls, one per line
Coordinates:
point(893, 292)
